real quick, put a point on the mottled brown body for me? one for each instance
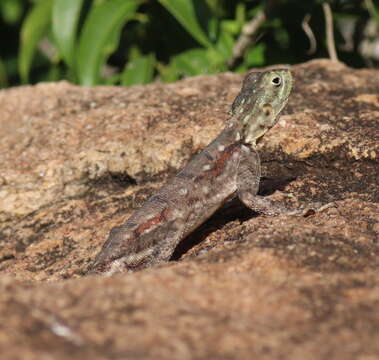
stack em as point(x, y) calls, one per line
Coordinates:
point(228, 166)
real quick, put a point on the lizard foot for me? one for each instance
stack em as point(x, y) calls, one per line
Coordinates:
point(313, 209)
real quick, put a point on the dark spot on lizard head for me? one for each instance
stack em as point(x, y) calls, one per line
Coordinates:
point(267, 109)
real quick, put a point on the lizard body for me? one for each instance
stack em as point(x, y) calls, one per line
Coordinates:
point(228, 166)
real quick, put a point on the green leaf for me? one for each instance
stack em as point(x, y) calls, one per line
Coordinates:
point(375, 14)
point(184, 12)
point(33, 29)
point(11, 10)
point(225, 41)
point(139, 70)
point(192, 62)
point(232, 27)
point(240, 16)
point(54, 73)
point(255, 56)
point(167, 73)
point(112, 79)
point(65, 21)
point(102, 27)
point(198, 61)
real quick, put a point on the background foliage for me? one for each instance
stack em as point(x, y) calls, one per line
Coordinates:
point(129, 42)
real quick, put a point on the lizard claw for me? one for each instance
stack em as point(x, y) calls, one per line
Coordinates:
point(316, 208)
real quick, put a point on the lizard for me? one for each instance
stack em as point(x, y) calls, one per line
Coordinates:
point(228, 166)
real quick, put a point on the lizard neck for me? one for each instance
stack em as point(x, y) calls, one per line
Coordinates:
point(234, 133)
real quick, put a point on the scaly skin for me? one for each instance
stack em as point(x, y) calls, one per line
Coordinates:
point(228, 166)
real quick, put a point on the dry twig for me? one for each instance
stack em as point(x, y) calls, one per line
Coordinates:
point(311, 36)
point(329, 31)
point(247, 37)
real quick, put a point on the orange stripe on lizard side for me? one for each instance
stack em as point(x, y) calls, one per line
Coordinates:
point(219, 165)
point(149, 223)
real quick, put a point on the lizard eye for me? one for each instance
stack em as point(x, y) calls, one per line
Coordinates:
point(276, 81)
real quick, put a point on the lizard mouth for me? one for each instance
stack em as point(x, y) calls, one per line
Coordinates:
point(108, 268)
point(98, 269)
point(117, 265)
point(104, 266)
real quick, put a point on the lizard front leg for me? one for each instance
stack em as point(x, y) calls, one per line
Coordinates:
point(247, 179)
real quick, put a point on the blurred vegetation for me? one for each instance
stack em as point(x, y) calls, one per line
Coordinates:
point(129, 42)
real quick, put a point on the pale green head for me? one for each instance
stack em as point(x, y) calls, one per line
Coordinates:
point(262, 97)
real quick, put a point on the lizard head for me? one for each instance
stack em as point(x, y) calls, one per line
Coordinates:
point(262, 97)
point(121, 253)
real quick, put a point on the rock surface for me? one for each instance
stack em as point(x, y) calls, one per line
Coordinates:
point(75, 162)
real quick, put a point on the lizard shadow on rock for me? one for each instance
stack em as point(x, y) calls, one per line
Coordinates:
point(231, 211)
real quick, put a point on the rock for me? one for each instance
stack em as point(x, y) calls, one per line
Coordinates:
point(77, 161)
